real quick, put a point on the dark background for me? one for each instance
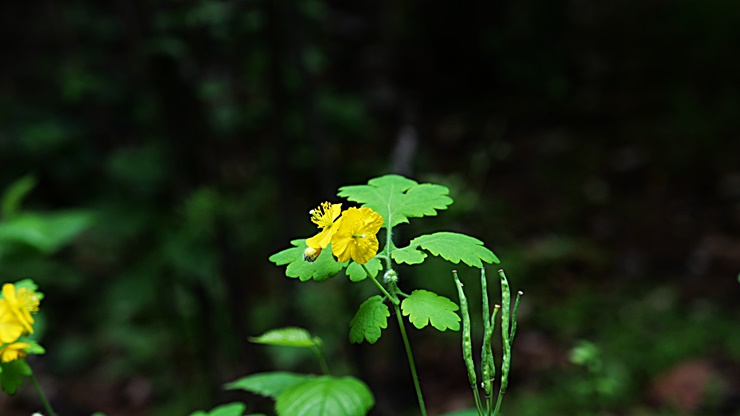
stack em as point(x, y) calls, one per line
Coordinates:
point(592, 145)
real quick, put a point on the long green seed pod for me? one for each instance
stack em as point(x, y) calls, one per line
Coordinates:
point(505, 331)
point(514, 315)
point(467, 344)
point(486, 351)
point(487, 343)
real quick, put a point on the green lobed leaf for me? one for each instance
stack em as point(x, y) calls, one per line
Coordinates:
point(424, 307)
point(270, 384)
point(397, 198)
point(323, 268)
point(230, 409)
point(287, 337)
point(326, 396)
point(356, 273)
point(12, 374)
point(370, 319)
point(453, 247)
point(408, 255)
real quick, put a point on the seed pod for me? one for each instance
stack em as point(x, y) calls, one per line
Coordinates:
point(467, 344)
point(505, 331)
point(486, 355)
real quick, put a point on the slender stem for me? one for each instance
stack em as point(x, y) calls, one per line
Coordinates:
point(498, 403)
point(410, 356)
point(318, 351)
point(42, 396)
point(382, 289)
point(478, 403)
point(388, 246)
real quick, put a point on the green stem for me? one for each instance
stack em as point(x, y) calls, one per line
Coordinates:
point(42, 396)
point(498, 403)
point(393, 299)
point(410, 356)
point(478, 403)
point(317, 350)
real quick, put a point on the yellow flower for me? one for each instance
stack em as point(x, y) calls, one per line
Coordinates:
point(10, 327)
point(13, 351)
point(355, 237)
point(325, 216)
point(21, 303)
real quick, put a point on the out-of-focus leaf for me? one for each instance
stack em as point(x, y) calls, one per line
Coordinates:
point(12, 374)
point(230, 409)
point(268, 384)
point(14, 195)
point(287, 337)
point(45, 232)
point(326, 396)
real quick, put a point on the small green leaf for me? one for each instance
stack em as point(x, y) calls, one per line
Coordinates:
point(34, 347)
point(324, 267)
point(453, 247)
point(326, 396)
point(370, 319)
point(12, 375)
point(356, 273)
point(408, 255)
point(14, 195)
point(231, 409)
point(27, 284)
point(286, 337)
point(423, 307)
point(268, 384)
point(397, 198)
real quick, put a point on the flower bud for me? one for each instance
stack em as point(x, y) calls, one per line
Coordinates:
point(390, 276)
point(310, 254)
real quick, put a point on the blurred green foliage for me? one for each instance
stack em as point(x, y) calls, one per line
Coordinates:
point(174, 146)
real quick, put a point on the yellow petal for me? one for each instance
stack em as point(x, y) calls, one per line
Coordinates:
point(13, 351)
point(10, 327)
point(356, 238)
point(364, 249)
point(322, 239)
point(325, 214)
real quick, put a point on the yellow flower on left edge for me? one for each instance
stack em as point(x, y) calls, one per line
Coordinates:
point(16, 308)
point(13, 351)
point(22, 302)
point(326, 217)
